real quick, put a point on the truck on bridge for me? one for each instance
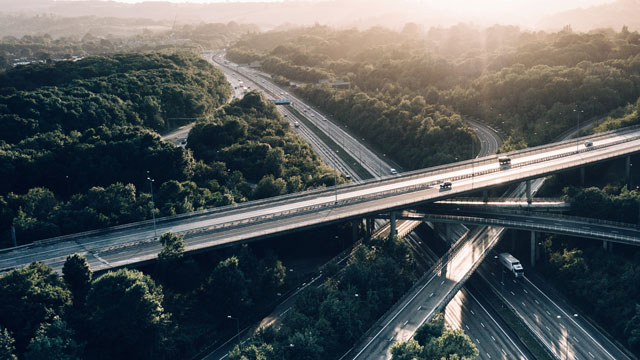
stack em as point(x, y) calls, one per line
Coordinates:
point(512, 265)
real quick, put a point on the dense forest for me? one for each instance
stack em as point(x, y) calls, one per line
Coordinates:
point(78, 144)
point(170, 312)
point(410, 88)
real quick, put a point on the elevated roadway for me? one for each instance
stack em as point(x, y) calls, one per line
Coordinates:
point(536, 204)
point(549, 223)
point(254, 220)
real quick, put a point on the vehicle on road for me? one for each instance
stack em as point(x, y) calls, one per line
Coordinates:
point(512, 265)
point(296, 124)
point(504, 161)
point(588, 143)
point(445, 185)
point(393, 171)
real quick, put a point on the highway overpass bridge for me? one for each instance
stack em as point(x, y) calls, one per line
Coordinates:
point(622, 233)
point(225, 226)
point(501, 204)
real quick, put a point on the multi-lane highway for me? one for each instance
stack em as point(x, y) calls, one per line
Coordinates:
point(275, 216)
point(308, 121)
point(561, 329)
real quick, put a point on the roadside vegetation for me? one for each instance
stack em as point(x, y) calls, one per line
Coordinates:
point(433, 341)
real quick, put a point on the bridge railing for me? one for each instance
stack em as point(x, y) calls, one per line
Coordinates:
point(498, 200)
point(556, 216)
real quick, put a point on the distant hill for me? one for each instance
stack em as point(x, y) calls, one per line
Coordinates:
point(613, 15)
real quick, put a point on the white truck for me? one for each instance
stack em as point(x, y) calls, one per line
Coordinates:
point(512, 264)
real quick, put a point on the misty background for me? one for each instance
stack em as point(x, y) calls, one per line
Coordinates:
point(103, 18)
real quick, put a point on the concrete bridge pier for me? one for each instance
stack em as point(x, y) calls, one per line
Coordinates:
point(355, 224)
point(447, 232)
point(528, 191)
point(582, 176)
point(627, 167)
point(485, 196)
point(392, 224)
point(533, 249)
point(369, 228)
point(608, 246)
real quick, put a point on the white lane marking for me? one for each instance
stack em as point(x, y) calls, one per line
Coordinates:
point(512, 293)
point(525, 291)
point(482, 324)
point(494, 339)
point(576, 323)
point(499, 327)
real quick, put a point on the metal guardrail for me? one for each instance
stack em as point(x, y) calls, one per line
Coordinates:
point(498, 200)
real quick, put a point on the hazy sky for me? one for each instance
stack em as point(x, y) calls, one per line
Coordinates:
point(449, 4)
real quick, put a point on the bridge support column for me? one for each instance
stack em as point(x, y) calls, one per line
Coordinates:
point(605, 244)
point(582, 176)
point(368, 228)
point(354, 230)
point(392, 225)
point(528, 191)
point(447, 232)
point(627, 168)
point(533, 249)
point(485, 196)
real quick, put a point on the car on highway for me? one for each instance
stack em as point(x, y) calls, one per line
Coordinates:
point(393, 171)
point(588, 143)
point(446, 185)
point(296, 124)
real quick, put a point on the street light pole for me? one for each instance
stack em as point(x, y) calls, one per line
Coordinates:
point(153, 206)
point(473, 154)
point(237, 329)
point(578, 128)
